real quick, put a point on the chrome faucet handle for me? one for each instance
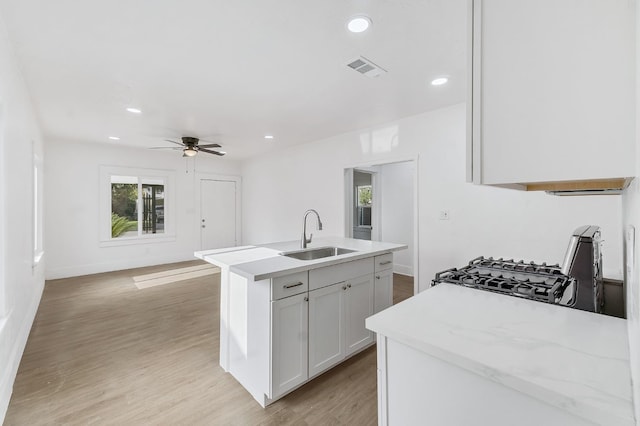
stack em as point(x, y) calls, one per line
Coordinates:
point(310, 238)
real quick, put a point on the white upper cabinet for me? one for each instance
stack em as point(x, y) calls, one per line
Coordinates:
point(552, 91)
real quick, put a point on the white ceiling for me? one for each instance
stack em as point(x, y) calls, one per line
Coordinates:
point(232, 71)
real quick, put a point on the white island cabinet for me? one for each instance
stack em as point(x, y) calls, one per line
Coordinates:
point(459, 356)
point(289, 341)
point(340, 299)
point(284, 321)
point(552, 93)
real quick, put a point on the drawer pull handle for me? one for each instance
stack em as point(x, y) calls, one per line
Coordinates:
point(348, 285)
point(306, 298)
point(385, 262)
point(299, 283)
point(377, 277)
point(344, 287)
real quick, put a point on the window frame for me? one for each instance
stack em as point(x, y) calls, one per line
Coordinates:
point(38, 210)
point(167, 176)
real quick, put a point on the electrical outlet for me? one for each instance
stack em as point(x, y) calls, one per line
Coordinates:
point(444, 215)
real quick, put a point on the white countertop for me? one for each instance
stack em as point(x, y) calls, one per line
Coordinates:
point(575, 360)
point(264, 261)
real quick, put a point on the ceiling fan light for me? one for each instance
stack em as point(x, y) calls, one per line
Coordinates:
point(189, 152)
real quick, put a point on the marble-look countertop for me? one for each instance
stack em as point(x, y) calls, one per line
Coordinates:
point(264, 261)
point(575, 360)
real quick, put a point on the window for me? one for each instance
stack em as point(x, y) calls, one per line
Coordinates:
point(363, 204)
point(363, 194)
point(135, 205)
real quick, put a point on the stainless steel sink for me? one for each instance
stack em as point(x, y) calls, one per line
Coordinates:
point(317, 253)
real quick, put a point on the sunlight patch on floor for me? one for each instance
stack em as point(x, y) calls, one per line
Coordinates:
point(173, 275)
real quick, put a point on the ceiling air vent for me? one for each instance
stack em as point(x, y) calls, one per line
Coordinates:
point(366, 67)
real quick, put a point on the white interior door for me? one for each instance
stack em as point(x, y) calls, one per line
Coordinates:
point(218, 214)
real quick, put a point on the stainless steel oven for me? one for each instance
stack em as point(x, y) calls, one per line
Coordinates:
point(583, 262)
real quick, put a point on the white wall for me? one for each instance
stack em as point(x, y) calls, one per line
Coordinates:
point(631, 217)
point(280, 186)
point(396, 193)
point(21, 282)
point(73, 200)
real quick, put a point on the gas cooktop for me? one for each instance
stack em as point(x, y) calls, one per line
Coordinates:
point(541, 282)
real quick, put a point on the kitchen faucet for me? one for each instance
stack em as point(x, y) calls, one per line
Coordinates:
point(306, 241)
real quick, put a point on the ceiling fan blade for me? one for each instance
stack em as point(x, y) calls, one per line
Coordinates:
point(211, 138)
point(208, 151)
point(211, 145)
point(167, 147)
point(177, 143)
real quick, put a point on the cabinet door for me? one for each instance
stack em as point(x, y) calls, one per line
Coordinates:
point(289, 343)
point(358, 306)
point(383, 290)
point(326, 327)
point(553, 90)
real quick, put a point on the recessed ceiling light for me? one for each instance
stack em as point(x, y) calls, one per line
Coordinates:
point(114, 138)
point(439, 81)
point(358, 24)
point(134, 110)
point(268, 136)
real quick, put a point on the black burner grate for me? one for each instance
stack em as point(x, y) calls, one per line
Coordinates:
point(541, 282)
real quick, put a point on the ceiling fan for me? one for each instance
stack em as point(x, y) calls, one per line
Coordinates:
point(190, 147)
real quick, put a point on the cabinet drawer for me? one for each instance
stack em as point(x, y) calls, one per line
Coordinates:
point(328, 275)
point(289, 285)
point(384, 262)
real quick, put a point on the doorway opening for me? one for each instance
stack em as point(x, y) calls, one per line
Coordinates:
point(381, 204)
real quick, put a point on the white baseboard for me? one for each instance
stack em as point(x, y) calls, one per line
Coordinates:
point(403, 270)
point(54, 273)
point(17, 348)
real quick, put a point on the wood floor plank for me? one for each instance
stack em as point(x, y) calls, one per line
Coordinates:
point(101, 352)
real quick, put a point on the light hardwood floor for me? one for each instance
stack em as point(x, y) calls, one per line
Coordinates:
point(103, 352)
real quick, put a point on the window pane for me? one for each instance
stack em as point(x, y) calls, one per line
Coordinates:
point(364, 195)
point(153, 208)
point(124, 207)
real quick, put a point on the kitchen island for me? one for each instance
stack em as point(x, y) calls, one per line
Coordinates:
point(284, 320)
point(458, 356)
